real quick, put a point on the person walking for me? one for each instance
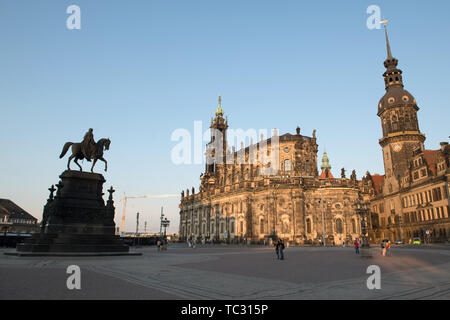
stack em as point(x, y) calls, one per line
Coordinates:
point(356, 244)
point(158, 244)
point(343, 243)
point(281, 250)
point(388, 248)
point(383, 248)
point(277, 249)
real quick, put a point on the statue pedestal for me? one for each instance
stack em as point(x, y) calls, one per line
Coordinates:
point(76, 221)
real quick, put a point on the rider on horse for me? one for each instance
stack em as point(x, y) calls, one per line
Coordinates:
point(88, 145)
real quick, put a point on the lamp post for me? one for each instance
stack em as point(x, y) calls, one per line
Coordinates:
point(161, 218)
point(165, 223)
point(137, 228)
point(362, 208)
point(323, 218)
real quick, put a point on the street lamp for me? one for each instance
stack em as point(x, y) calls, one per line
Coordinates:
point(137, 228)
point(165, 223)
point(362, 208)
point(321, 201)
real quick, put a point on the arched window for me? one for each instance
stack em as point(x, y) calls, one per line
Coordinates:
point(353, 226)
point(287, 165)
point(339, 228)
point(395, 126)
point(308, 225)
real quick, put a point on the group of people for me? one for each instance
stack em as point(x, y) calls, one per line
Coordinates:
point(192, 242)
point(385, 248)
point(279, 249)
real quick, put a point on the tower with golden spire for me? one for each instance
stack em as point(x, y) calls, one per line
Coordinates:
point(397, 110)
point(217, 147)
point(326, 167)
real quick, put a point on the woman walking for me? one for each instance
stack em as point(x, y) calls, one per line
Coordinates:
point(356, 244)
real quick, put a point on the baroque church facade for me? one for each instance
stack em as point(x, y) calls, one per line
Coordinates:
point(241, 200)
point(273, 189)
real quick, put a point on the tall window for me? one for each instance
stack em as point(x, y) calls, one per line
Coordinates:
point(287, 165)
point(261, 226)
point(339, 228)
point(395, 126)
point(353, 226)
point(308, 225)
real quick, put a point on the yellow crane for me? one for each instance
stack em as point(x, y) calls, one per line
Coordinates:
point(125, 198)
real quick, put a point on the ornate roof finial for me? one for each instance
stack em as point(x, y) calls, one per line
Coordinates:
point(52, 191)
point(111, 191)
point(325, 162)
point(219, 110)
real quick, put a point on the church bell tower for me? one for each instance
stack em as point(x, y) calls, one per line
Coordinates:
point(397, 110)
point(216, 149)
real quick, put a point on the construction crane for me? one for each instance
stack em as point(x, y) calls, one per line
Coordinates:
point(125, 198)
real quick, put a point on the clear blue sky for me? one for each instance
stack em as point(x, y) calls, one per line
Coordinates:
point(137, 70)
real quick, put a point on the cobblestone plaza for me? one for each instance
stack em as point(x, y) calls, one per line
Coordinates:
point(231, 273)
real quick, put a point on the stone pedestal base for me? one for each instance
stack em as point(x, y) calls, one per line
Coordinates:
point(365, 252)
point(76, 221)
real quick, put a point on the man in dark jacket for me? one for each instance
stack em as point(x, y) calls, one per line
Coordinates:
point(277, 249)
point(281, 249)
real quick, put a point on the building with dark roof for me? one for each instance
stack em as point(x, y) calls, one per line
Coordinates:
point(412, 198)
point(14, 219)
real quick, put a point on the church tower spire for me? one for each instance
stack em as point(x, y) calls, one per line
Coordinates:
point(326, 167)
point(217, 147)
point(389, 53)
point(397, 110)
point(392, 76)
point(219, 110)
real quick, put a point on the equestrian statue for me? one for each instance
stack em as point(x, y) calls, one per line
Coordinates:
point(88, 149)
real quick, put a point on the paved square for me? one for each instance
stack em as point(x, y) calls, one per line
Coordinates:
point(221, 272)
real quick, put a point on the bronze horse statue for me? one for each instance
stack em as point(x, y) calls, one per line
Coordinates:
point(77, 153)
